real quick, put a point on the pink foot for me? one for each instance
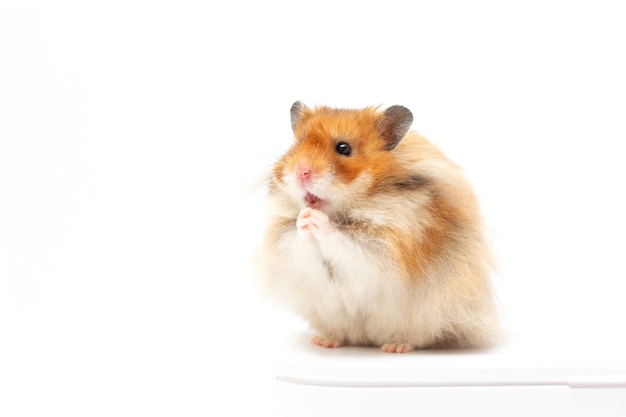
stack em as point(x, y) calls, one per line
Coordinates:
point(327, 343)
point(397, 348)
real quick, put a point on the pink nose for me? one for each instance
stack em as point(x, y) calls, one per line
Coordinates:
point(303, 172)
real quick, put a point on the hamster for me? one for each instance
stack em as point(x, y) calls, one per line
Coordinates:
point(375, 237)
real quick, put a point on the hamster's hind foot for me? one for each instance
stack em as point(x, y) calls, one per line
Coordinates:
point(324, 342)
point(397, 348)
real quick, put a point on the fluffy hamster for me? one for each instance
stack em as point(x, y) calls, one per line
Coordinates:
point(375, 237)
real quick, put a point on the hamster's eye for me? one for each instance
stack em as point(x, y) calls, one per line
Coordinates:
point(342, 148)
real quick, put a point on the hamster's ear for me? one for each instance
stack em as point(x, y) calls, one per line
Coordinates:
point(296, 113)
point(393, 125)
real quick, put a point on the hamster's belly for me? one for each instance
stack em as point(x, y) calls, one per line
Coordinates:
point(365, 300)
point(366, 305)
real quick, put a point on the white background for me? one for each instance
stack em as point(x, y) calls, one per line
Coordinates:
point(133, 135)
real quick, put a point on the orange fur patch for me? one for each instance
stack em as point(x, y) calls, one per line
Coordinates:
point(321, 129)
point(419, 250)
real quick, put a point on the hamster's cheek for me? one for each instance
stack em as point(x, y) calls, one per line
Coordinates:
point(290, 187)
point(343, 195)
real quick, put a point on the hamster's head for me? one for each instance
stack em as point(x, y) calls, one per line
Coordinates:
point(339, 155)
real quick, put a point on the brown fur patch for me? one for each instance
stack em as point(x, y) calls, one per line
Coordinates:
point(443, 225)
point(318, 133)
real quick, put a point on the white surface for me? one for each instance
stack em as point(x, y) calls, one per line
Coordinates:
point(131, 131)
point(516, 362)
point(513, 401)
point(515, 379)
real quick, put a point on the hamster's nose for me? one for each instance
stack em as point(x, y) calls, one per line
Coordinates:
point(303, 172)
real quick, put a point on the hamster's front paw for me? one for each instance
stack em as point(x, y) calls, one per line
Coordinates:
point(312, 223)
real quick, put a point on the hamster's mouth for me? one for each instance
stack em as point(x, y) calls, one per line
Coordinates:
point(313, 201)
